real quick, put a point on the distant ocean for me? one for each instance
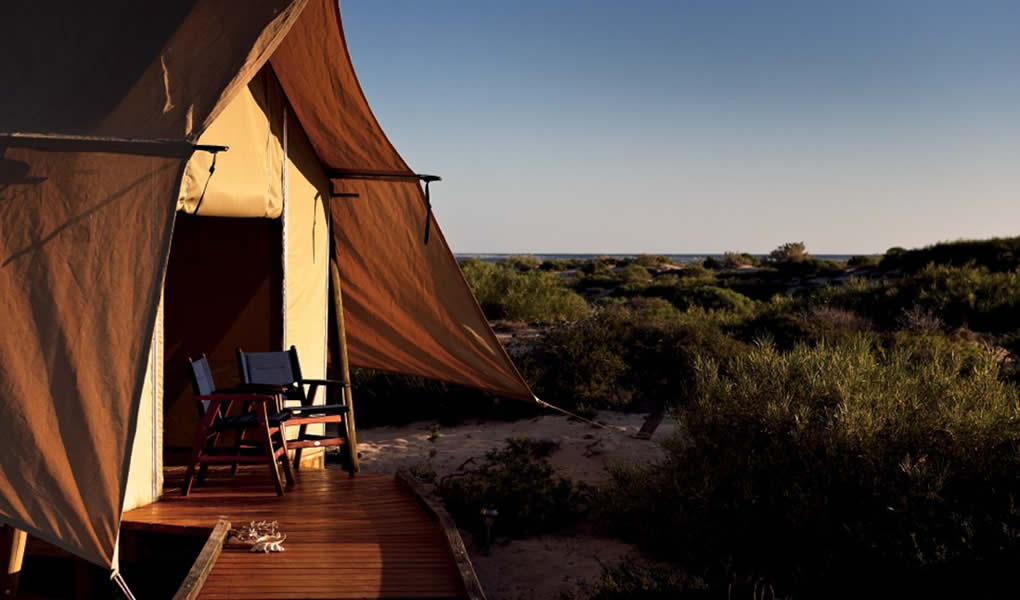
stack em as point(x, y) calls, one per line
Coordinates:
point(679, 258)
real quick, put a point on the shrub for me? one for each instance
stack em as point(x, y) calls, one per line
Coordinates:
point(790, 252)
point(423, 472)
point(712, 263)
point(806, 469)
point(694, 272)
point(967, 296)
point(735, 260)
point(696, 294)
point(920, 320)
point(522, 262)
point(863, 261)
point(561, 264)
point(962, 296)
point(785, 325)
point(829, 318)
point(601, 264)
point(518, 481)
point(634, 274)
point(810, 267)
point(535, 296)
point(629, 354)
point(651, 261)
point(580, 364)
point(996, 255)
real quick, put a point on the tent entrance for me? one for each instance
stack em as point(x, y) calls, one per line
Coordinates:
point(223, 290)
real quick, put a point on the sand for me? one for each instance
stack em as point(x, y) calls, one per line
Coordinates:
point(543, 567)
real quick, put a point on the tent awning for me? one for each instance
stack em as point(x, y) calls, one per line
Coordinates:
point(406, 304)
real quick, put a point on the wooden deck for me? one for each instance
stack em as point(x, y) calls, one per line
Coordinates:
point(360, 537)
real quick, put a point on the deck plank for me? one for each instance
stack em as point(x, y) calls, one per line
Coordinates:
point(360, 537)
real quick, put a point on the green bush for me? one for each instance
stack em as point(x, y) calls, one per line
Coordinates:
point(865, 260)
point(634, 274)
point(631, 353)
point(694, 272)
point(696, 294)
point(790, 252)
point(967, 296)
point(518, 481)
point(789, 324)
point(811, 267)
point(522, 262)
point(732, 260)
point(806, 469)
point(651, 261)
point(602, 264)
point(561, 264)
point(996, 255)
point(535, 296)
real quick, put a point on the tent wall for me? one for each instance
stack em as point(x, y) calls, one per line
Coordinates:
point(145, 476)
point(306, 263)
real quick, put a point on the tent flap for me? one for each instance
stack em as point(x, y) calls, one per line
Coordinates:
point(406, 305)
point(82, 253)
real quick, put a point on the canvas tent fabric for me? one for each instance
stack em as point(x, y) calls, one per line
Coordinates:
point(406, 305)
point(95, 159)
point(84, 234)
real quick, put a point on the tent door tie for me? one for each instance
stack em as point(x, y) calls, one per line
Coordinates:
point(212, 169)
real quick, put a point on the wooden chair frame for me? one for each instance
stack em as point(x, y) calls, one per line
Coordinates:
point(283, 369)
point(215, 407)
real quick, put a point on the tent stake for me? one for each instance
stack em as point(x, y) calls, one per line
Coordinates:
point(345, 372)
point(12, 541)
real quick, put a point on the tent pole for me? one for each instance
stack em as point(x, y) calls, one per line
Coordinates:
point(12, 541)
point(345, 372)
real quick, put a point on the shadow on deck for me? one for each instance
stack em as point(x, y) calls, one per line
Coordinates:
point(360, 537)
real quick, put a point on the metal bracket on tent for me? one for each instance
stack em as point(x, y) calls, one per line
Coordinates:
point(388, 176)
point(210, 148)
point(428, 203)
point(379, 175)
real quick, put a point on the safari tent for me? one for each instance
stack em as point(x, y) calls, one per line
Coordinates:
point(175, 178)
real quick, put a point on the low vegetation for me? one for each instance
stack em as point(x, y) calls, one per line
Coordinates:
point(522, 292)
point(518, 482)
point(837, 418)
point(807, 467)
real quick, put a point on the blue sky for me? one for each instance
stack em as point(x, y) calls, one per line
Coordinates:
point(701, 126)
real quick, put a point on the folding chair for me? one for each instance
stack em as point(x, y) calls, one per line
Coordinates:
point(283, 369)
point(260, 416)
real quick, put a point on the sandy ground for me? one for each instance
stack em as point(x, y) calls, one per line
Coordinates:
point(539, 568)
point(583, 454)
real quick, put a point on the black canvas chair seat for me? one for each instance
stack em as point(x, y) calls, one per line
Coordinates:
point(283, 369)
point(249, 420)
